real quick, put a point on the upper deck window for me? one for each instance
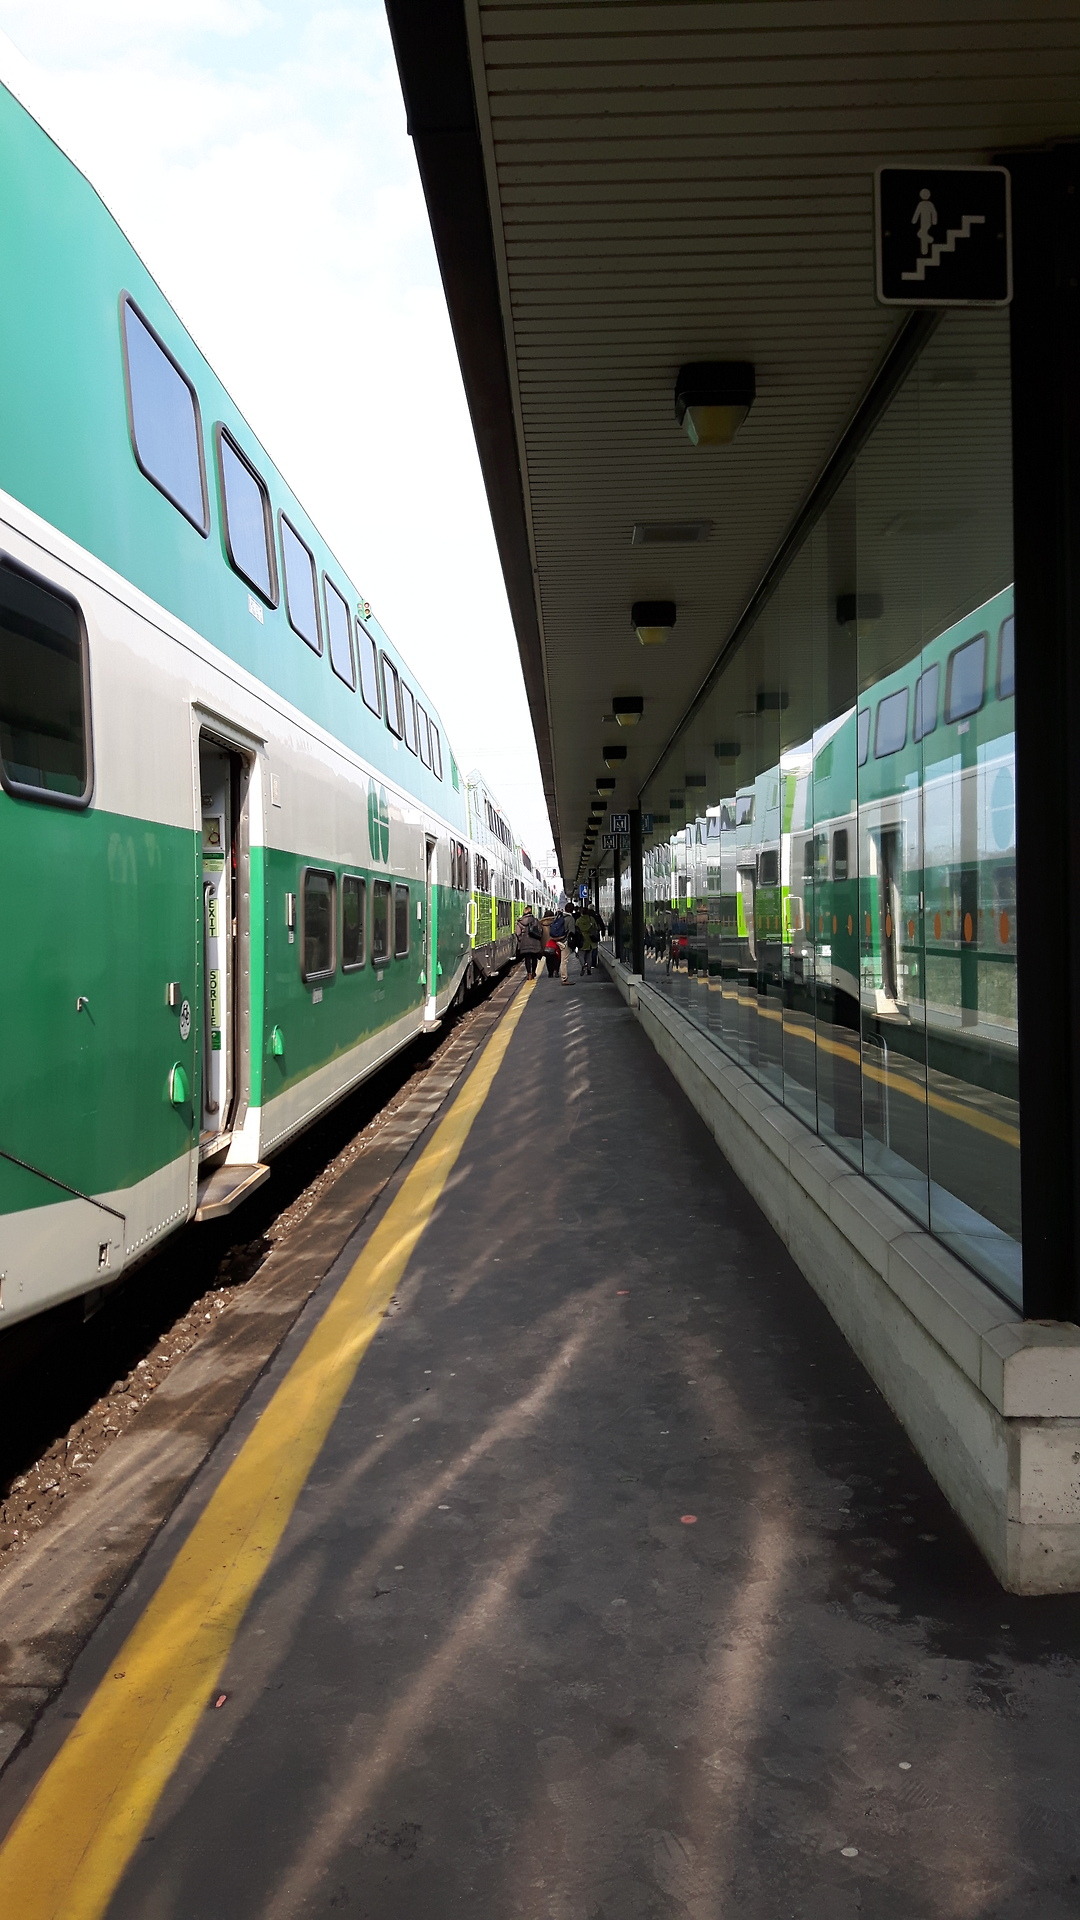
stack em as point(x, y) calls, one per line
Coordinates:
point(890, 732)
point(247, 519)
point(425, 737)
point(1007, 659)
point(339, 630)
point(369, 668)
point(44, 729)
point(436, 750)
point(163, 414)
point(301, 596)
point(408, 705)
point(392, 695)
point(864, 735)
point(926, 702)
point(965, 679)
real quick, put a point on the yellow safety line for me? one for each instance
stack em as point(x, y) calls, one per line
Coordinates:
point(64, 1857)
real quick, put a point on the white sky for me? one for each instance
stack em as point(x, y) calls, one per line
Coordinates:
point(255, 153)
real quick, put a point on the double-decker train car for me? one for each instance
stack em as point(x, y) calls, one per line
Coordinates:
point(872, 872)
point(242, 866)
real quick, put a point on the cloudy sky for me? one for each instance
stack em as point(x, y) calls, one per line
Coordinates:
point(255, 152)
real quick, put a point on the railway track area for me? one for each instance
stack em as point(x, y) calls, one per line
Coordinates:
point(105, 1419)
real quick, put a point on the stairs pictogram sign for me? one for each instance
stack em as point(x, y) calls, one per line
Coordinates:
point(943, 236)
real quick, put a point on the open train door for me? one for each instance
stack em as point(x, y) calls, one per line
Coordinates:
point(226, 1174)
point(431, 934)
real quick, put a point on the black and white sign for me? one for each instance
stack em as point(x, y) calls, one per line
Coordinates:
point(615, 842)
point(943, 236)
point(646, 823)
point(619, 822)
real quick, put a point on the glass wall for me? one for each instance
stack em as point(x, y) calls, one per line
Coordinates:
point(831, 880)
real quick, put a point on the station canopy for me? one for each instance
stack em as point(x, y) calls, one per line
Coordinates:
point(620, 191)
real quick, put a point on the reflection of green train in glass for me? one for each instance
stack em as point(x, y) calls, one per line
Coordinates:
point(872, 873)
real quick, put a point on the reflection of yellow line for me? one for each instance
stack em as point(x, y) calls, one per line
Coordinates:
point(66, 1853)
point(940, 1102)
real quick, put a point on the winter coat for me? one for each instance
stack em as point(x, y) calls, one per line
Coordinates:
point(530, 934)
point(588, 929)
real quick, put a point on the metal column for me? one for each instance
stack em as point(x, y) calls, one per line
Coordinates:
point(1046, 522)
point(616, 922)
point(637, 895)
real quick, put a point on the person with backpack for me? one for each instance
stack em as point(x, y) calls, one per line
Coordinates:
point(530, 941)
point(561, 928)
point(589, 935)
point(551, 945)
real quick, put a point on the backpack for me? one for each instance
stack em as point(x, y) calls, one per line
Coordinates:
point(558, 927)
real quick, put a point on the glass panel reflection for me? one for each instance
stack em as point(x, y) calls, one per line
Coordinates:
point(831, 881)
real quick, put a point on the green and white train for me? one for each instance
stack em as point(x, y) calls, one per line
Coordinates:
point(241, 867)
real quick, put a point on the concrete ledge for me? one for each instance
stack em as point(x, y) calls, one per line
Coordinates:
point(991, 1401)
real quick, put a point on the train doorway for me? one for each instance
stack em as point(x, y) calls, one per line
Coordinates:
point(223, 784)
point(431, 931)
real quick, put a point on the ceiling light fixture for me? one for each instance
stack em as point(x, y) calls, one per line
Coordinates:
point(652, 620)
point(712, 399)
point(627, 708)
point(614, 755)
point(606, 786)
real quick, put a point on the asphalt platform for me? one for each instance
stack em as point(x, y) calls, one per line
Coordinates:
point(615, 1592)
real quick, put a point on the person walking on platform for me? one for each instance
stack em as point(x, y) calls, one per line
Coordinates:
point(589, 930)
point(560, 931)
point(551, 945)
point(530, 941)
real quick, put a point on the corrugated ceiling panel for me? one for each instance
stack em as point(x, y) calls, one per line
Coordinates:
point(685, 181)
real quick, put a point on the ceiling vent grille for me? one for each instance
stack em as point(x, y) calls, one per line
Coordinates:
point(670, 533)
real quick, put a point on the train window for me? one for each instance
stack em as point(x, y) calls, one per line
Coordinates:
point(425, 737)
point(44, 693)
point(301, 597)
point(339, 634)
point(1006, 680)
point(808, 859)
point(965, 679)
point(380, 920)
point(890, 730)
point(318, 924)
point(926, 702)
point(353, 905)
point(369, 668)
point(392, 696)
point(247, 519)
point(401, 922)
point(163, 417)
point(864, 735)
point(840, 852)
point(408, 714)
point(436, 751)
point(483, 876)
point(744, 809)
point(769, 868)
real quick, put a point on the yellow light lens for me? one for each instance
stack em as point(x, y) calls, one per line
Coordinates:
point(627, 719)
point(652, 636)
point(708, 426)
